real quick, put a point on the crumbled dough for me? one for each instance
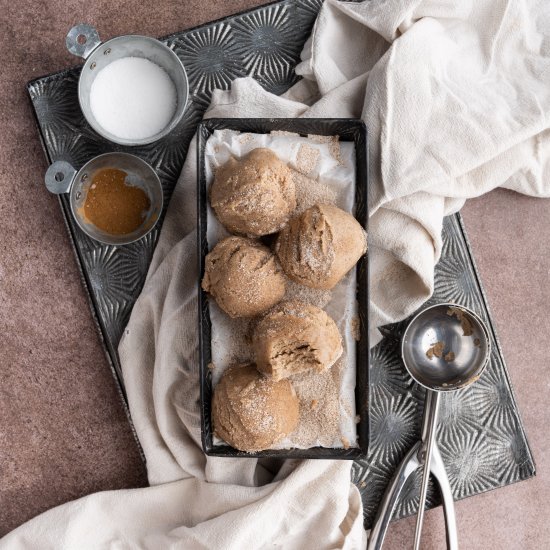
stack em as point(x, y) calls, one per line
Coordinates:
point(436, 350)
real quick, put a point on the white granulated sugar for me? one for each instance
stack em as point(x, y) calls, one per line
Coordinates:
point(133, 98)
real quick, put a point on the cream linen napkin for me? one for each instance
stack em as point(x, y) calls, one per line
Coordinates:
point(455, 96)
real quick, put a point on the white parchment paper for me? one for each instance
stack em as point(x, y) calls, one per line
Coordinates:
point(334, 167)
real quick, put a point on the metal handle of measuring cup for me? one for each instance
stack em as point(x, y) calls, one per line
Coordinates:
point(59, 177)
point(82, 39)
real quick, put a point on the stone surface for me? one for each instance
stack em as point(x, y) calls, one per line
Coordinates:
point(63, 430)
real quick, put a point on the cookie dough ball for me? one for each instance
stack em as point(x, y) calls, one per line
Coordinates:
point(243, 276)
point(252, 412)
point(254, 195)
point(296, 337)
point(318, 247)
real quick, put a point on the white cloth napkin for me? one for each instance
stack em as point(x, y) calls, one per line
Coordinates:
point(456, 97)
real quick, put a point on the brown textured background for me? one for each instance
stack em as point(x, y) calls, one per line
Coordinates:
point(63, 432)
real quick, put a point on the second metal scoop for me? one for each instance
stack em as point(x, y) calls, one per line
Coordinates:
point(445, 347)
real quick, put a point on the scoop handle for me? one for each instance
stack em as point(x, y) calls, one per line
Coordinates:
point(408, 467)
point(429, 427)
point(82, 39)
point(438, 471)
point(389, 502)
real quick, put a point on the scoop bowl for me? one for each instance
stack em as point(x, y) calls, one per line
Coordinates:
point(446, 347)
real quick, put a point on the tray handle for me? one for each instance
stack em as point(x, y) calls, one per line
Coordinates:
point(59, 177)
point(82, 39)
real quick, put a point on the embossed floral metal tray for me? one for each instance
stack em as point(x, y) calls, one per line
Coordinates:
point(481, 435)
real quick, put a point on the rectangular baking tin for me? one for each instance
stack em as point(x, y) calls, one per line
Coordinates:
point(346, 130)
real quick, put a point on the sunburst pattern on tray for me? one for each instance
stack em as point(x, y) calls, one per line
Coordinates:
point(55, 100)
point(70, 146)
point(453, 280)
point(267, 40)
point(408, 502)
point(491, 396)
point(108, 278)
point(371, 479)
point(135, 259)
point(309, 7)
point(386, 374)
point(470, 462)
point(394, 424)
point(514, 461)
point(481, 436)
point(458, 413)
point(211, 58)
point(278, 83)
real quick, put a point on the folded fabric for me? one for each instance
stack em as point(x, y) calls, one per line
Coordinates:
point(455, 96)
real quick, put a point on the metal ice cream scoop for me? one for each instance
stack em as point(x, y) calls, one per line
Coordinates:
point(445, 347)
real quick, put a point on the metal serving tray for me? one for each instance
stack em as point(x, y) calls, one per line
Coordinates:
point(347, 130)
point(481, 436)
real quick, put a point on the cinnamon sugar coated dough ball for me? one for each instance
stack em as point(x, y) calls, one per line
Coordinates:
point(254, 195)
point(295, 337)
point(243, 276)
point(252, 412)
point(318, 247)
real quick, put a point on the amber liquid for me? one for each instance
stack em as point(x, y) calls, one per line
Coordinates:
point(114, 206)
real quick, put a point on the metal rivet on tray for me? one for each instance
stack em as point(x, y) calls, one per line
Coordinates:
point(107, 51)
point(93, 66)
point(78, 195)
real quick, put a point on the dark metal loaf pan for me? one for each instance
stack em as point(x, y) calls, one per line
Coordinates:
point(347, 130)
